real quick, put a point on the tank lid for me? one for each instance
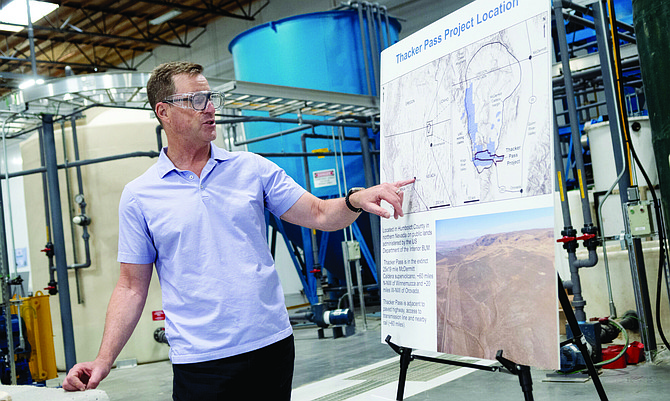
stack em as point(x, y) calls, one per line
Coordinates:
point(320, 14)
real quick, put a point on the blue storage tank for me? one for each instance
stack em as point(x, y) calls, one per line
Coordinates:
point(321, 51)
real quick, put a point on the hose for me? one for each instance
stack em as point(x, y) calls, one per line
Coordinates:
point(620, 354)
point(616, 358)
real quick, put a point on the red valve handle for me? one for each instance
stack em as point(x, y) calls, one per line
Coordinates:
point(585, 237)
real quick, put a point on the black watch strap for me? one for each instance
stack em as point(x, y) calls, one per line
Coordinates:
point(349, 205)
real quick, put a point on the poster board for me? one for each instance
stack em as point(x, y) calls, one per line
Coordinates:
point(466, 109)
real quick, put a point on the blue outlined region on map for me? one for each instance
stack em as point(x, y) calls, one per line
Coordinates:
point(473, 125)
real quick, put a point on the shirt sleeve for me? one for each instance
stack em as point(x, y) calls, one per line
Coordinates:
point(280, 191)
point(135, 240)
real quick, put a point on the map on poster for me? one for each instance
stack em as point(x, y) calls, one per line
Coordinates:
point(467, 120)
point(466, 110)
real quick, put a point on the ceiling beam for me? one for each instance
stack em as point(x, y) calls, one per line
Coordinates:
point(63, 63)
point(213, 10)
point(99, 35)
point(111, 11)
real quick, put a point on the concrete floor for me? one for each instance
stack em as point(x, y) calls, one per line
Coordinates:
point(360, 367)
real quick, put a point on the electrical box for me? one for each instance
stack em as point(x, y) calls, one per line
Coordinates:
point(353, 250)
point(639, 217)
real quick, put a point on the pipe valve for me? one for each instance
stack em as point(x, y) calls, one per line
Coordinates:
point(81, 220)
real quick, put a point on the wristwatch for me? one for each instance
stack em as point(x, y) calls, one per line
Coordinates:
point(346, 199)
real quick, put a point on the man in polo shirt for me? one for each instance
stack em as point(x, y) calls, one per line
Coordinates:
point(198, 216)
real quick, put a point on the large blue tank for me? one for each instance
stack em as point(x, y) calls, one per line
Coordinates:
point(321, 51)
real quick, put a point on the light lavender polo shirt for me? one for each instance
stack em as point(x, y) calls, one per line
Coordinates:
point(207, 238)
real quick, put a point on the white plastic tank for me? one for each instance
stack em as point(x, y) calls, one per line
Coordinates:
point(605, 172)
point(602, 153)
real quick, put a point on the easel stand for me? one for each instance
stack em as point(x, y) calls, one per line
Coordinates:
point(522, 371)
point(406, 357)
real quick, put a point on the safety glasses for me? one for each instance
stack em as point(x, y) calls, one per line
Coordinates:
point(196, 100)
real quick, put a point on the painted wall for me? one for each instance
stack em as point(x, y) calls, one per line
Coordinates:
point(15, 217)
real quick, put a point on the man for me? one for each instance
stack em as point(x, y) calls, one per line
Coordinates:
point(198, 215)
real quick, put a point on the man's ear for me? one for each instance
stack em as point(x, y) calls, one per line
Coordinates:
point(162, 112)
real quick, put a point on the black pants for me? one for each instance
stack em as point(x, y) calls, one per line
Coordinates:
point(263, 374)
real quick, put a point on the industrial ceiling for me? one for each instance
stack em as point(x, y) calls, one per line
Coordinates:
point(107, 35)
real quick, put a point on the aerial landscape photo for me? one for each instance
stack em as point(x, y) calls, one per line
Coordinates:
point(496, 287)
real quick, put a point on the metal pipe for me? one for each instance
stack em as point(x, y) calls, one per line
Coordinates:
point(572, 112)
point(364, 46)
point(585, 107)
point(48, 247)
point(328, 123)
point(616, 130)
point(361, 294)
point(274, 135)
point(587, 11)
point(568, 231)
point(31, 41)
point(588, 24)
point(59, 241)
point(374, 49)
point(156, 154)
point(316, 266)
point(388, 30)
point(68, 192)
point(613, 312)
point(644, 291)
point(632, 62)
point(82, 211)
point(379, 35)
point(581, 88)
point(375, 226)
point(637, 262)
point(9, 203)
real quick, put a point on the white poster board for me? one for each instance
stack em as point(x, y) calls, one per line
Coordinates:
point(466, 109)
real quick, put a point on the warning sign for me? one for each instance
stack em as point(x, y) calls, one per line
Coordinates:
point(324, 178)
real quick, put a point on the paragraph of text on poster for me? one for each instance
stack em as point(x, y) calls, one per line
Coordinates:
point(408, 274)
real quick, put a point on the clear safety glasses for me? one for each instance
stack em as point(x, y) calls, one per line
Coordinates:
point(196, 100)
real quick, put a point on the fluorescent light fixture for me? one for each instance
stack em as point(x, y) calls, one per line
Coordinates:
point(16, 12)
point(30, 82)
point(165, 17)
point(27, 84)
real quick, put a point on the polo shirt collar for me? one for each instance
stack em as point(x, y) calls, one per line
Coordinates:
point(165, 165)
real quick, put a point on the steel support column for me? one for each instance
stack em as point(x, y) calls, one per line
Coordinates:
point(615, 125)
point(59, 240)
point(375, 225)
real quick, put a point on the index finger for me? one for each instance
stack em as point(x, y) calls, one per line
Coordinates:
point(402, 183)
